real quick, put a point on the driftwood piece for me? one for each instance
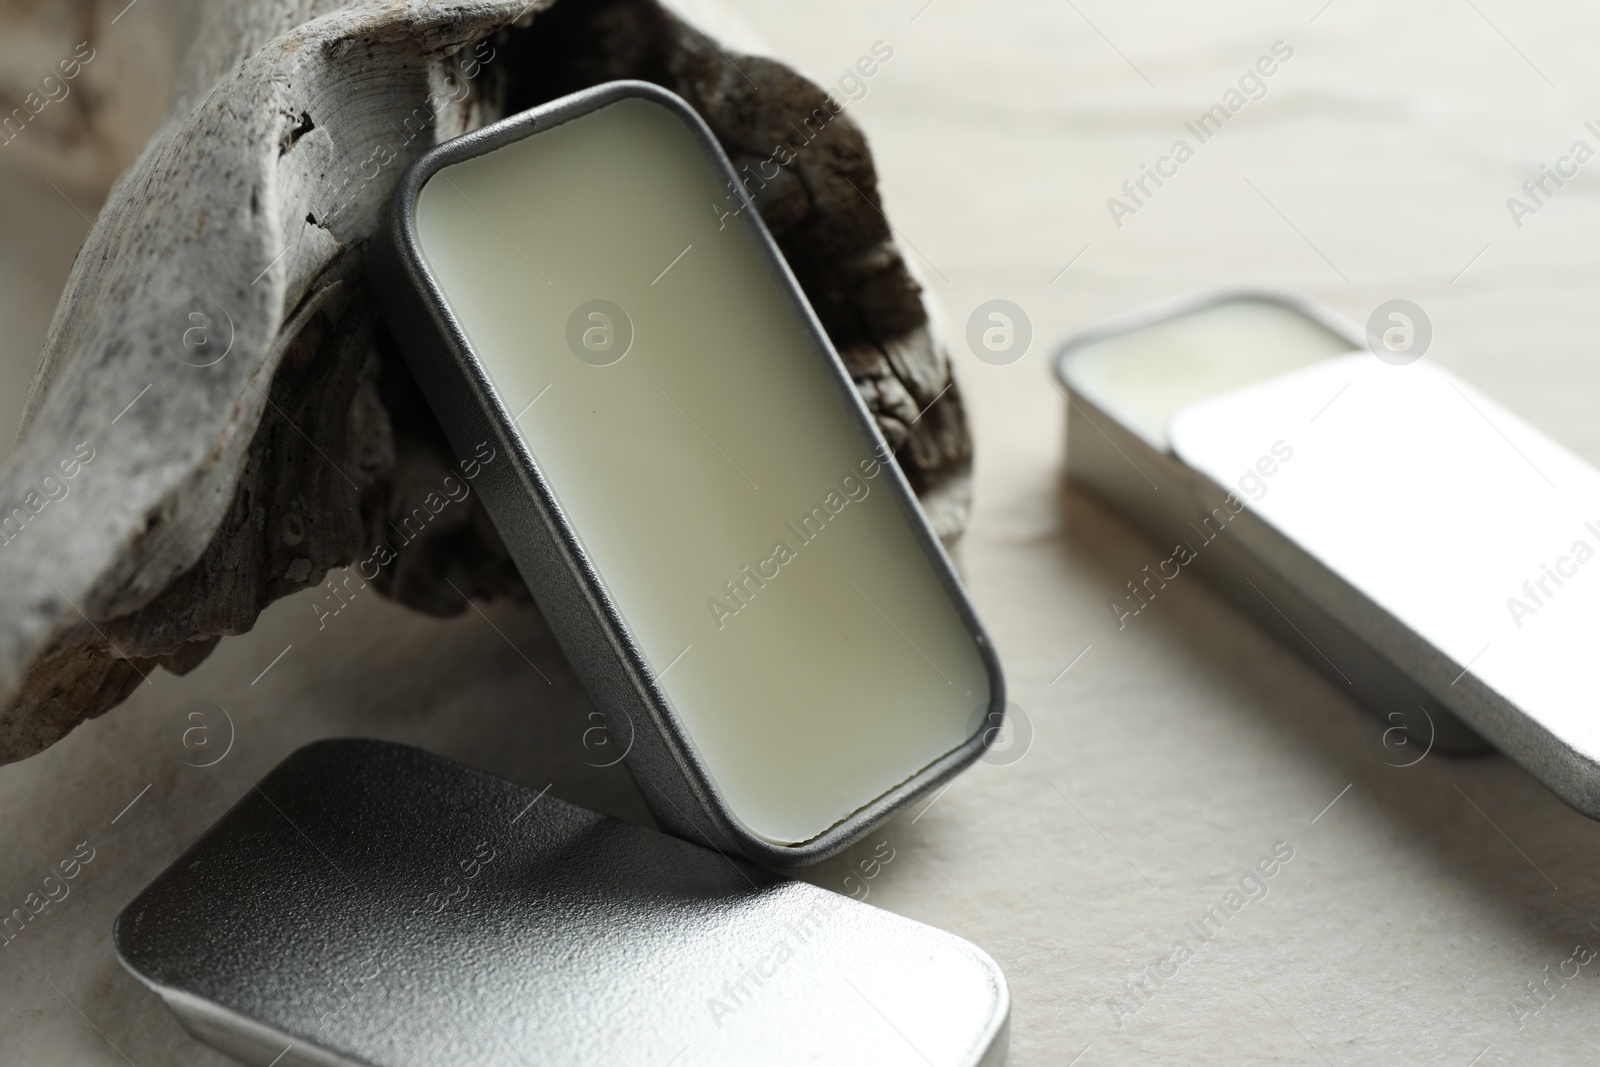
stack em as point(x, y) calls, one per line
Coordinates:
point(219, 416)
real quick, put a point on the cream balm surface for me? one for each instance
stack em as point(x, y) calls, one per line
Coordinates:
point(738, 514)
point(1149, 374)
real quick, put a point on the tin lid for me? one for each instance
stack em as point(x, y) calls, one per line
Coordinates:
point(1442, 527)
point(369, 903)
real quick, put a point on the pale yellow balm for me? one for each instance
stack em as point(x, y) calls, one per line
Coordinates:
point(1148, 375)
point(735, 511)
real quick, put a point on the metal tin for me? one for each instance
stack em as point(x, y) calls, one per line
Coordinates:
point(549, 551)
point(372, 904)
point(1268, 577)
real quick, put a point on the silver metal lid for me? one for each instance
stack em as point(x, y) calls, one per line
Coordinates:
point(369, 903)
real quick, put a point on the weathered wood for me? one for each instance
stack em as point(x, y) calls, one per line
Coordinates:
point(201, 493)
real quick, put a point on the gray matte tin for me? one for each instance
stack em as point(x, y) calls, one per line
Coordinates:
point(1162, 496)
point(370, 903)
point(549, 552)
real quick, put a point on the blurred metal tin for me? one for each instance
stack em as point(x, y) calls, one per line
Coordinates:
point(373, 904)
point(549, 552)
point(1165, 498)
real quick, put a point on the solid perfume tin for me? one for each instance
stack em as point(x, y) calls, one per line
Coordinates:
point(699, 501)
point(1421, 546)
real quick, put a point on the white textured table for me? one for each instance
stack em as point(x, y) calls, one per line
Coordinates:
point(1173, 754)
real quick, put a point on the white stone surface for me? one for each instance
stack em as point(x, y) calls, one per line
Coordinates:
point(1174, 753)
